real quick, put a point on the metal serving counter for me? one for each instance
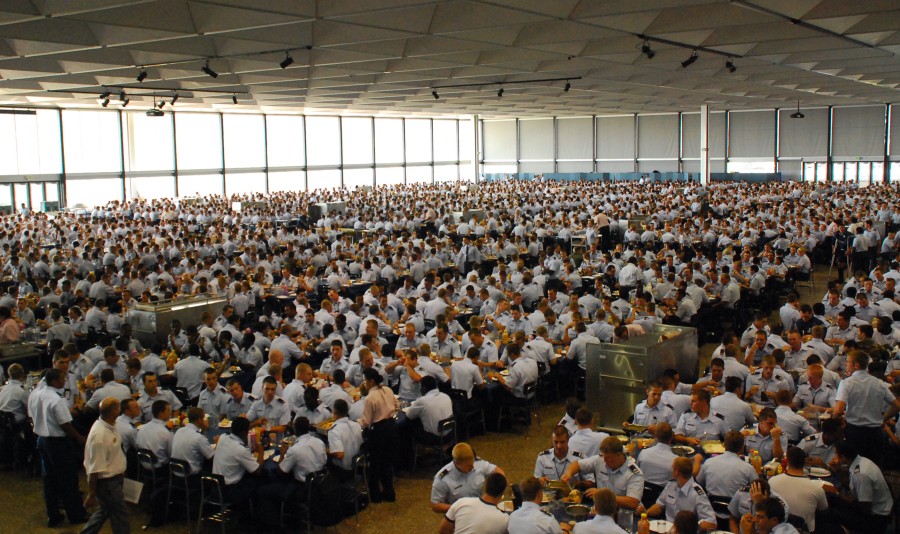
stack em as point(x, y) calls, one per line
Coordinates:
point(26, 353)
point(151, 322)
point(617, 373)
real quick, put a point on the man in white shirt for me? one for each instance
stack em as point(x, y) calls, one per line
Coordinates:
point(473, 515)
point(104, 463)
point(804, 497)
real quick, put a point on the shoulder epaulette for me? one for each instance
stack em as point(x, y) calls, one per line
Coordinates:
point(280, 400)
point(720, 416)
point(745, 489)
point(443, 473)
point(811, 438)
point(578, 454)
point(688, 411)
point(634, 469)
point(546, 452)
point(222, 389)
point(669, 406)
point(699, 489)
point(251, 397)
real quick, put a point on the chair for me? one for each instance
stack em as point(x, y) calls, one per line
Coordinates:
point(212, 495)
point(522, 407)
point(299, 505)
point(720, 507)
point(183, 397)
point(11, 436)
point(805, 279)
point(651, 494)
point(440, 443)
point(797, 522)
point(467, 416)
point(179, 482)
point(361, 479)
point(147, 472)
point(547, 384)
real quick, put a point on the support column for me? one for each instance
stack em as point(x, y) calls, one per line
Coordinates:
point(704, 145)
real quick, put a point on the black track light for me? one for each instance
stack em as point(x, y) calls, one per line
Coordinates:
point(122, 96)
point(798, 114)
point(142, 75)
point(234, 99)
point(105, 102)
point(434, 93)
point(126, 102)
point(287, 61)
point(105, 95)
point(647, 51)
point(567, 87)
point(689, 61)
point(730, 66)
point(174, 99)
point(161, 104)
point(500, 93)
point(208, 71)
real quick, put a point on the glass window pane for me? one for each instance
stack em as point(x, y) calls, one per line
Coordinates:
point(51, 192)
point(92, 141)
point(500, 168)
point(837, 173)
point(284, 136)
point(323, 143)
point(389, 175)
point(89, 193)
point(877, 172)
point(239, 183)
point(865, 173)
point(151, 187)
point(199, 139)
point(37, 143)
point(353, 178)
point(8, 158)
point(199, 185)
point(149, 145)
point(446, 145)
point(418, 141)
point(446, 173)
point(5, 196)
point(21, 196)
point(895, 172)
point(466, 140)
point(287, 181)
point(327, 179)
point(357, 140)
point(415, 175)
point(37, 196)
point(809, 172)
point(751, 166)
point(388, 140)
point(245, 141)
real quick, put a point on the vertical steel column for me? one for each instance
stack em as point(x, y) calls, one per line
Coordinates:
point(121, 160)
point(829, 158)
point(63, 200)
point(175, 152)
point(222, 144)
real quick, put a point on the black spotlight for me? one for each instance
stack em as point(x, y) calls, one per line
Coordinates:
point(105, 102)
point(161, 104)
point(500, 93)
point(142, 75)
point(126, 102)
point(567, 87)
point(208, 71)
point(647, 51)
point(798, 114)
point(234, 99)
point(105, 95)
point(730, 66)
point(689, 61)
point(287, 61)
point(434, 93)
point(122, 96)
point(174, 99)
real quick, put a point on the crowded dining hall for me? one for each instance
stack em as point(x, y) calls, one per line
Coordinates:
point(455, 267)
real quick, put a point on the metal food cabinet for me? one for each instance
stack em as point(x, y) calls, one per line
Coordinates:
point(151, 322)
point(617, 373)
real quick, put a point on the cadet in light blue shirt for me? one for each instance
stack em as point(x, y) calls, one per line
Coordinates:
point(530, 519)
point(270, 411)
point(656, 462)
point(819, 448)
point(463, 477)
point(767, 438)
point(189, 443)
point(723, 475)
point(683, 493)
point(651, 411)
point(613, 470)
point(552, 463)
point(345, 437)
point(602, 523)
point(584, 440)
point(213, 399)
point(736, 412)
point(700, 423)
point(795, 426)
point(239, 402)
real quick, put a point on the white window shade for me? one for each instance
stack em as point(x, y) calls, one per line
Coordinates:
point(650, 165)
point(895, 132)
point(356, 141)
point(575, 166)
point(806, 137)
point(615, 137)
point(752, 134)
point(499, 140)
point(615, 166)
point(536, 167)
point(690, 135)
point(575, 138)
point(657, 136)
point(536, 139)
point(858, 132)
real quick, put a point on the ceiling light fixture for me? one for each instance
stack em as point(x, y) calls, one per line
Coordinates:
point(234, 99)
point(122, 96)
point(142, 75)
point(567, 87)
point(690, 61)
point(434, 93)
point(730, 66)
point(126, 102)
point(208, 71)
point(174, 99)
point(798, 114)
point(646, 50)
point(105, 95)
point(287, 61)
point(161, 104)
point(500, 93)
point(105, 102)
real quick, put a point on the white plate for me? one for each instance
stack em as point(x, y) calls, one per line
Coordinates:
point(660, 526)
point(225, 423)
point(506, 506)
point(819, 472)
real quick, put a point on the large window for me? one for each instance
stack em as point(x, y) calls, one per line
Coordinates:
point(418, 140)
point(285, 141)
point(29, 143)
point(323, 143)
point(446, 147)
point(245, 141)
point(388, 140)
point(93, 142)
point(356, 136)
point(200, 185)
point(150, 145)
point(199, 142)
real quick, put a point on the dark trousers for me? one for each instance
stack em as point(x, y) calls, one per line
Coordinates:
point(112, 506)
point(868, 441)
point(381, 463)
point(59, 469)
